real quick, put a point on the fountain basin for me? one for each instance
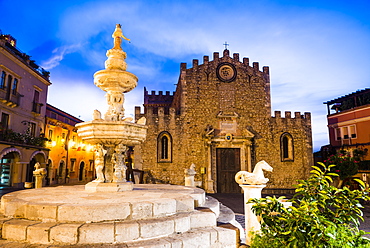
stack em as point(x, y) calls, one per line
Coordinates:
point(112, 133)
point(115, 80)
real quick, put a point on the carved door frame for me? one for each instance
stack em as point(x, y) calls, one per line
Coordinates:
point(243, 143)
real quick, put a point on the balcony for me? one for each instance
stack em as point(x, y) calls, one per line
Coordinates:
point(11, 100)
point(11, 137)
point(36, 107)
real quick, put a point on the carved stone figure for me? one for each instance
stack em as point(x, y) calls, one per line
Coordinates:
point(118, 161)
point(189, 176)
point(96, 115)
point(39, 174)
point(255, 178)
point(115, 110)
point(142, 121)
point(117, 36)
point(99, 163)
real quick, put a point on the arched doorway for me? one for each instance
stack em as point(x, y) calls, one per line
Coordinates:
point(6, 167)
point(30, 168)
point(81, 176)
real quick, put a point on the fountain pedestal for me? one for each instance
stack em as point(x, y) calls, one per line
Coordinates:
point(109, 187)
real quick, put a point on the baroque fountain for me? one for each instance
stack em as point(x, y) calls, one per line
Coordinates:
point(114, 133)
point(110, 212)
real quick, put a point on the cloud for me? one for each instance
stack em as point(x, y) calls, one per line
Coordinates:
point(315, 54)
point(58, 55)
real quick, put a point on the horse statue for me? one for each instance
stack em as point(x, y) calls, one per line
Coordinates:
point(256, 177)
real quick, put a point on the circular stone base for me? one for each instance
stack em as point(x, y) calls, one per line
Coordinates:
point(71, 204)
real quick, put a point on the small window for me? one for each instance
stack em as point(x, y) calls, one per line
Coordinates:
point(15, 86)
point(10, 79)
point(4, 121)
point(345, 132)
point(73, 163)
point(2, 81)
point(164, 147)
point(32, 129)
point(286, 147)
point(338, 135)
point(352, 130)
point(50, 134)
point(36, 107)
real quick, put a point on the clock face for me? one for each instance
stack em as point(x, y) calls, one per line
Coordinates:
point(226, 72)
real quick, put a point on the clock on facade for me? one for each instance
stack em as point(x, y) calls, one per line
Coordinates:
point(226, 72)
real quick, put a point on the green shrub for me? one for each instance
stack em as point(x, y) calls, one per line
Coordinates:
point(321, 216)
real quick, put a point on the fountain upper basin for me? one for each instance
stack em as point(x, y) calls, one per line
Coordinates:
point(112, 133)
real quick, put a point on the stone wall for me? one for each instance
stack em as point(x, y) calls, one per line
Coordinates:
point(223, 103)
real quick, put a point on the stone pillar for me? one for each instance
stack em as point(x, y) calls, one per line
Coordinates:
point(38, 181)
point(39, 174)
point(251, 220)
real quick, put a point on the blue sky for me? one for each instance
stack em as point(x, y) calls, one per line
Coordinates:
point(316, 50)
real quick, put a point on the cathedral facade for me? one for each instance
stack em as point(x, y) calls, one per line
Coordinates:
point(219, 119)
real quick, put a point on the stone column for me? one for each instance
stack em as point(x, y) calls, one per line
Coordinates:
point(251, 220)
point(38, 181)
point(39, 174)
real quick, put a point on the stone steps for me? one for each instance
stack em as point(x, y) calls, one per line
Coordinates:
point(148, 216)
point(37, 232)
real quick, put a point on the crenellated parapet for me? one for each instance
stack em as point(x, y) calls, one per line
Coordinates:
point(297, 119)
point(157, 98)
point(226, 58)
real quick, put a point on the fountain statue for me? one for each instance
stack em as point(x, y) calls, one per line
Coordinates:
point(112, 134)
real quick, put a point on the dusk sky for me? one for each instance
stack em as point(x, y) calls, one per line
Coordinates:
point(316, 50)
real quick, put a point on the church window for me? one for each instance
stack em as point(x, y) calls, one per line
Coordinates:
point(164, 147)
point(286, 146)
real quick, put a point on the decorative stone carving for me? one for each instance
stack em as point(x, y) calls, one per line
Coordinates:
point(96, 115)
point(142, 121)
point(39, 173)
point(118, 161)
point(189, 176)
point(99, 163)
point(255, 178)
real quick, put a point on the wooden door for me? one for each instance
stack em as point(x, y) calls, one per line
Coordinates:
point(228, 164)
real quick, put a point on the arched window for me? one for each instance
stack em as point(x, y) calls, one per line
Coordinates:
point(164, 147)
point(286, 147)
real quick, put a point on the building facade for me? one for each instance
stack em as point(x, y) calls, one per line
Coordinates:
point(349, 125)
point(219, 119)
point(23, 93)
point(70, 159)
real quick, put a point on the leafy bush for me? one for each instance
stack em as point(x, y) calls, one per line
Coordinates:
point(346, 165)
point(321, 216)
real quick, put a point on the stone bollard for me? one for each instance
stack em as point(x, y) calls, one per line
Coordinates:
point(252, 185)
point(252, 224)
point(39, 173)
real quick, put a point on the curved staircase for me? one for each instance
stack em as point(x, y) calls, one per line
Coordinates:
point(148, 216)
